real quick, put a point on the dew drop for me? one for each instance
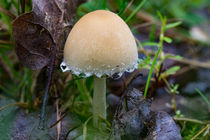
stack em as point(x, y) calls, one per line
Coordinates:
point(130, 70)
point(85, 75)
point(64, 67)
point(76, 73)
point(99, 75)
point(139, 61)
point(88, 74)
point(117, 75)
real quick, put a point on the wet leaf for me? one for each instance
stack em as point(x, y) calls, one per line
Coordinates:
point(130, 124)
point(139, 122)
point(162, 127)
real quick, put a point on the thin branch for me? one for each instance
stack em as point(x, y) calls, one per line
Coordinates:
point(49, 79)
point(190, 120)
point(61, 118)
point(58, 118)
point(20, 104)
point(128, 6)
point(195, 63)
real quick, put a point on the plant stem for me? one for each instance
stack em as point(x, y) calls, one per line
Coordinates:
point(160, 47)
point(50, 69)
point(99, 99)
point(190, 120)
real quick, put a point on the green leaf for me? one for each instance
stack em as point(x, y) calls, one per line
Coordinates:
point(174, 88)
point(144, 63)
point(177, 57)
point(172, 25)
point(172, 70)
point(149, 44)
point(152, 32)
point(167, 39)
point(162, 18)
point(202, 95)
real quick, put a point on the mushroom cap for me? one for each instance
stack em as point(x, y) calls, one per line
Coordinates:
point(100, 43)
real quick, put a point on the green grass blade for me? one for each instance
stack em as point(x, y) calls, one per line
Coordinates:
point(85, 127)
point(150, 72)
point(172, 25)
point(160, 47)
point(135, 11)
point(202, 95)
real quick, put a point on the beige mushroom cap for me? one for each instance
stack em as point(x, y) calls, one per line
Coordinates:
point(100, 43)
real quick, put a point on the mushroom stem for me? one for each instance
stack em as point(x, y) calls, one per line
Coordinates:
point(99, 99)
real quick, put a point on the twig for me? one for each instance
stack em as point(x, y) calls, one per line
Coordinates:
point(58, 113)
point(61, 118)
point(58, 118)
point(152, 21)
point(20, 104)
point(143, 25)
point(129, 79)
point(141, 48)
point(44, 104)
point(128, 6)
point(195, 63)
point(190, 120)
point(184, 69)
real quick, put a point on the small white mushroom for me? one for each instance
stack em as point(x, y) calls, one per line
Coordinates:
point(100, 44)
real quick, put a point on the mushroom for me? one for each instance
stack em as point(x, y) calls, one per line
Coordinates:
point(100, 44)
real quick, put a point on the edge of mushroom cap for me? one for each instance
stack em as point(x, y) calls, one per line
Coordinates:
point(98, 72)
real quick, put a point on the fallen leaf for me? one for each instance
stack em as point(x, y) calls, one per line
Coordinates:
point(33, 43)
point(35, 33)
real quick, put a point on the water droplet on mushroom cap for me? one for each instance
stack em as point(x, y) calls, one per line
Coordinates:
point(100, 43)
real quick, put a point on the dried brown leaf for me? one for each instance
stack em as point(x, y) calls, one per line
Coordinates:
point(33, 43)
point(48, 23)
